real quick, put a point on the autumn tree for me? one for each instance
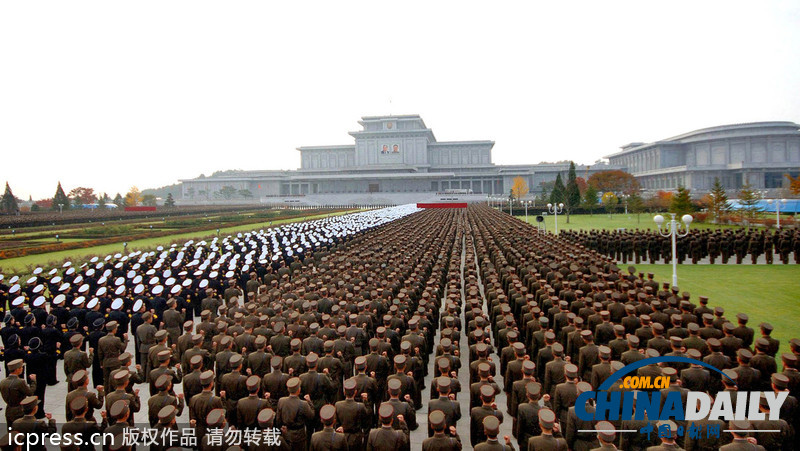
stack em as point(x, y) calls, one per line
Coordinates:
point(557, 195)
point(794, 184)
point(590, 198)
point(8, 203)
point(60, 199)
point(582, 185)
point(119, 201)
point(519, 189)
point(572, 194)
point(749, 201)
point(616, 181)
point(82, 195)
point(133, 198)
point(149, 200)
point(718, 200)
point(610, 201)
point(170, 202)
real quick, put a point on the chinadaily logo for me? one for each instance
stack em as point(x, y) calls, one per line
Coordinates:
point(625, 396)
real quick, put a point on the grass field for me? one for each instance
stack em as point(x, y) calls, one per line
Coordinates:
point(602, 221)
point(25, 264)
point(765, 293)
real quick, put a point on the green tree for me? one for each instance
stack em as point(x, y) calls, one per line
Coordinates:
point(149, 200)
point(60, 198)
point(719, 200)
point(8, 203)
point(590, 199)
point(610, 201)
point(227, 192)
point(572, 193)
point(170, 202)
point(749, 201)
point(636, 205)
point(102, 201)
point(119, 201)
point(557, 195)
point(681, 202)
point(245, 193)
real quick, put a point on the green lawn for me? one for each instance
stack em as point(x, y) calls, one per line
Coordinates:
point(766, 293)
point(602, 221)
point(25, 264)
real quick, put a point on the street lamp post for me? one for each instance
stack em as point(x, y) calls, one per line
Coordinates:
point(526, 210)
point(673, 229)
point(555, 209)
point(511, 206)
point(60, 209)
point(778, 203)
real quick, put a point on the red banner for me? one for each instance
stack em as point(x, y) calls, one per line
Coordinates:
point(140, 208)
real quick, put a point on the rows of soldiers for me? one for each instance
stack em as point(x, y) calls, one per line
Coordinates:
point(720, 245)
point(329, 347)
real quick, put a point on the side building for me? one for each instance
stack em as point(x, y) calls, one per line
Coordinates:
point(758, 153)
point(394, 160)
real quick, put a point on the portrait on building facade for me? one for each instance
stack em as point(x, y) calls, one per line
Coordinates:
point(395, 149)
point(385, 148)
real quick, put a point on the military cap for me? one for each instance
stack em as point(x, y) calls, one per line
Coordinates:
point(167, 414)
point(215, 418)
point(586, 334)
point(253, 382)
point(619, 329)
point(111, 325)
point(164, 355)
point(694, 354)
point(606, 431)
point(29, 400)
point(121, 375)
point(79, 376)
point(226, 341)
point(742, 317)
point(767, 327)
point(633, 340)
point(265, 417)
point(76, 339)
point(278, 326)
point(163, 381)
point(616, 365)
point(731, 376)
point(196, 360)
point(673, 428)
point(676, 341)
point(744, 354)
point(360, 362)
point(719, 311)
point(78, 404)
point(119, 408)
point(547, 418)
point(650, 352)
point(386, 411)
point(400, 360)
point(436, 419)
point(571, 370)
point(15, 364)
point(549, 336)
point(235, 360)
point(350, 384)
point(693, 327)
point(98, 323)
point(669, 371)
point(293, 384)
point(703, 299)
point(605, 351)
point(327, 413)
point(533, 388)
point(124, 357)
point(405, 345)
point(762, 344)
point(296, 343)
point(645, 319)
point(206, 377)
point(528, 367)
point(519, 348)
point(328, 345)
point(312, 359)
point(484, 368)
point(714, 343)
point(491, 425)
point(276, 361)
point(394, 384)
point(780, 381)
point(161, 334)
point(740, 426)
point(583, 387)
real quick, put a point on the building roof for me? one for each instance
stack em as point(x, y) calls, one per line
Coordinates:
point(770, 127)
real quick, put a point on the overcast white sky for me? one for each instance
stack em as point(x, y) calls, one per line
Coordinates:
point(113, 94)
